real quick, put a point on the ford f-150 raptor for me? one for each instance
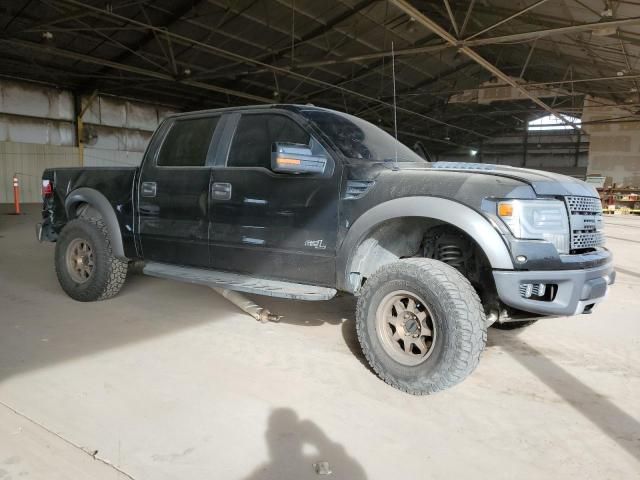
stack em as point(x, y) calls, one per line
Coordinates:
point(303, 202)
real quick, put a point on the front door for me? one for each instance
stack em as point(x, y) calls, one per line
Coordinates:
point(173, 193)
point(268, 224)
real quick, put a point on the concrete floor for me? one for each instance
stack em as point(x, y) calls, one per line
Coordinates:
point(170, 381)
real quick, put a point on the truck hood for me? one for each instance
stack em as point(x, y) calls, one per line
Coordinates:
point(543, 183)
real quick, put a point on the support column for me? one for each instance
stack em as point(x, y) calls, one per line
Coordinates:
point(525, 146)
point(79, 111)
point(77, 123)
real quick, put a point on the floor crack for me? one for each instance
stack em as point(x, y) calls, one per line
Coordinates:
point(90, 453)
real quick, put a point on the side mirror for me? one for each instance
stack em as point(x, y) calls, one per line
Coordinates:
point(297, 158)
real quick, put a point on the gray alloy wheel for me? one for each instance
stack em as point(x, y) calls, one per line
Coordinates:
point(79, 257)
point(406, 328)
point(421, 325)
point(85, 265)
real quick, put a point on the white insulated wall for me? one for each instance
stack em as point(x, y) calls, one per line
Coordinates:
point(614, 151)
point(28, 160)
point(116, 131)
point(37, 131)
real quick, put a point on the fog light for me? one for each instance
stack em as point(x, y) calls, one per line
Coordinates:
point(521, 258)
point(527, 290)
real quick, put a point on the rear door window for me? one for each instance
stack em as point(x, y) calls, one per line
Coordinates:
point(187, 142)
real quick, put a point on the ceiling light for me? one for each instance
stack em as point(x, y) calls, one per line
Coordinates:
point(605, 31)
point(411, 25)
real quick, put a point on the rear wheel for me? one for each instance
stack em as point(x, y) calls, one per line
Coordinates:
point(421, 325)
point(85, 265)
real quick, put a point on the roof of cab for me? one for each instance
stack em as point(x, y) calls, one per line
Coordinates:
point(283, 106)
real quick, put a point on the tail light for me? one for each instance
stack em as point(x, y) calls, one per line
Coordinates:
point(47, 188)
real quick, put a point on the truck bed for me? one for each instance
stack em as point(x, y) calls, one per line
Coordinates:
point(114, 183)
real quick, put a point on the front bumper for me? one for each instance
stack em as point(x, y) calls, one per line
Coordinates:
point(578, 290)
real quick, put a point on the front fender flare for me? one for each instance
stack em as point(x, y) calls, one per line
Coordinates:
point(457, 214)
point(98, 201)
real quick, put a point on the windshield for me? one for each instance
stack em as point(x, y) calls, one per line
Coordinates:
point(359, 139)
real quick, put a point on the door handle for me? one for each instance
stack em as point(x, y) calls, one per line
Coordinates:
point(221, 191)
point(149, 189)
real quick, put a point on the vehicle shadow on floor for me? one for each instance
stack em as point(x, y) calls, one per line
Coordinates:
point(57, 329)
point(340, 311)
point(53, 328)
point(298, 449)
point(309, 313)
point(41, 326)
point(614, 422)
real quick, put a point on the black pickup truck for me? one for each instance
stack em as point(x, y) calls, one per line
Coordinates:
point(303, 202)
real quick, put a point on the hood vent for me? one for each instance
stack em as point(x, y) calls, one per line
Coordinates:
point(357, 188)
point(463, 166)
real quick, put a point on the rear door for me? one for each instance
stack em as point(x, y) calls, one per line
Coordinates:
point(173, 192)
point(268, 224)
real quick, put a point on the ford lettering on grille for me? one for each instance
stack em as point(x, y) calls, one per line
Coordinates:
point(585, 219)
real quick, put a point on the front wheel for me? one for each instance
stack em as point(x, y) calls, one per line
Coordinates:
point(421, 325)
point(86, 267)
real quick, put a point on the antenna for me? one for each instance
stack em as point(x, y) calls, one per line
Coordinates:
point(395, 116)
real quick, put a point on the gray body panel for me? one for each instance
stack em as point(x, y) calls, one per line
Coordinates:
point(436, 208)
point(576, 289)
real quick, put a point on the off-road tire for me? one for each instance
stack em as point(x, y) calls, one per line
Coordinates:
point(513, 325)
point(109, 272)
point(458, 318)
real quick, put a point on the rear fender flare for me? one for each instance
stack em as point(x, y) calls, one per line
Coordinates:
point(98, 201)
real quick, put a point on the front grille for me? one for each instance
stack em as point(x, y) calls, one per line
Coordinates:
point(587, 240)
point(585, 220)
point(584, 205)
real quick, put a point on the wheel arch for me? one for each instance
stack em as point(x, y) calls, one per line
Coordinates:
point(101, 204)
point(365, 245)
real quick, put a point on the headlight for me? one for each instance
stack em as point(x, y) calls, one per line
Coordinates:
point(537, 220)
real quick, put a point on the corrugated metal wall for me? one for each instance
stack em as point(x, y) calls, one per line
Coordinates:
point(38, 131)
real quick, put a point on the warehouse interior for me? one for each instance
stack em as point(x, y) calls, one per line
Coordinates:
point(171, 381)
point(88, 82)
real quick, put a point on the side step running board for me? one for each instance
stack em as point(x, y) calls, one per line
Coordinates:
point(238, 282)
